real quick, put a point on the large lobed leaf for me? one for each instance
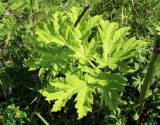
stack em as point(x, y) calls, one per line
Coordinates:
point(65, 89)
point(116, 47)
point(61, 45)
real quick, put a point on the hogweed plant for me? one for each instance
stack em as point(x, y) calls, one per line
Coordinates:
point(79, 62)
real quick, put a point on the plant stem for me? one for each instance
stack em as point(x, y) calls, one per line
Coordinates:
point(43, 120)
point(151, 67)
point(149, 74)
point(86, 7)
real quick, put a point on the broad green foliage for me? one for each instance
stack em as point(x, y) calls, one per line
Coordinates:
point(79, 66)
point(115, 48)
point(65, 89)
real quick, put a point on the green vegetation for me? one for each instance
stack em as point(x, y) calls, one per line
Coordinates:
point(70, 62)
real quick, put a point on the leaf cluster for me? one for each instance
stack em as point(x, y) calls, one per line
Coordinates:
point(80, 63)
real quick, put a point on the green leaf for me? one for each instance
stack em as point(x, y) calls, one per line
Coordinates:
point(123, 68)
point(47, 56)
point(64, 89)
point(115, 46)
point(87, 26)
point(84, 101)
point(78, 60)
point(135, 116)
point(112, 85)
point(106, 31)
